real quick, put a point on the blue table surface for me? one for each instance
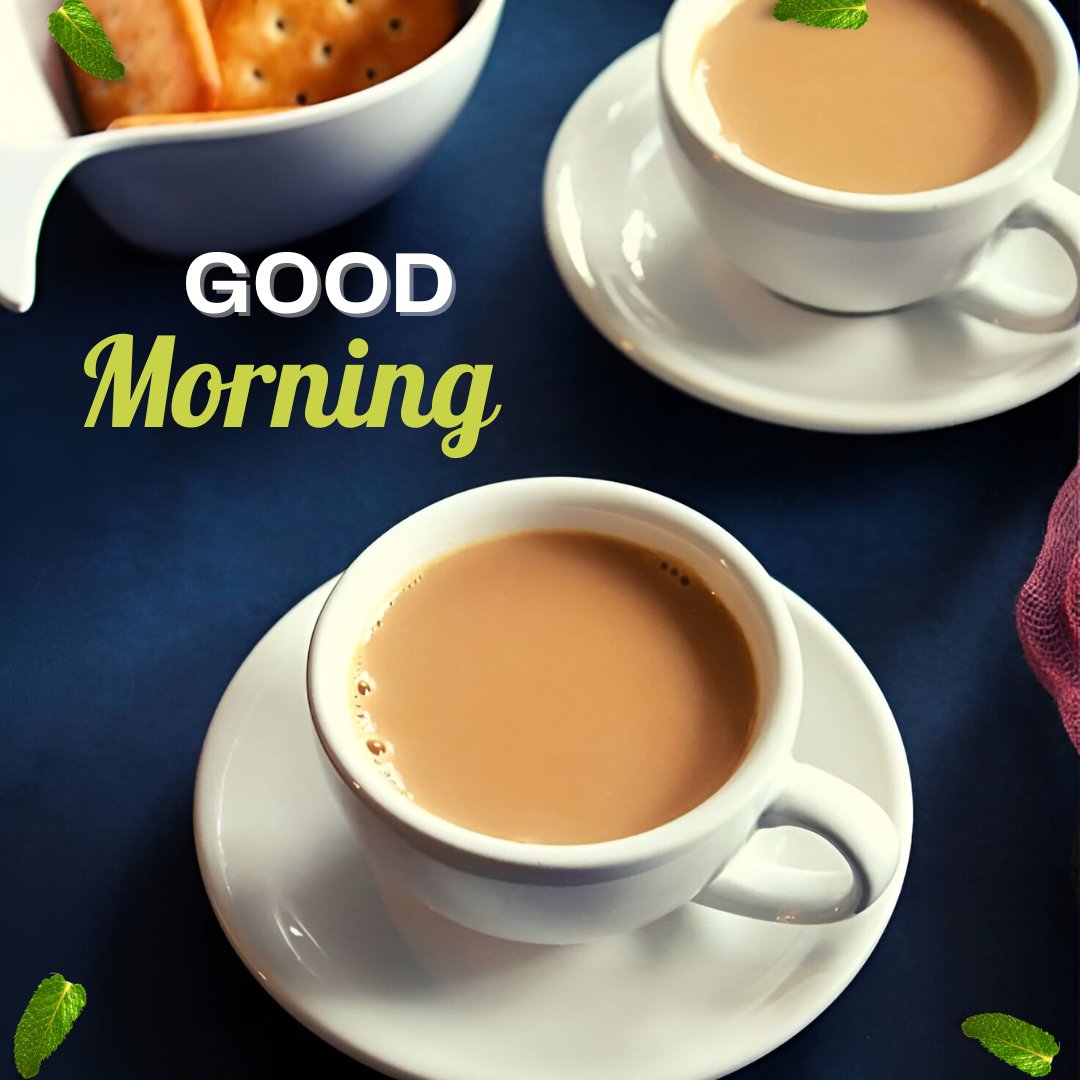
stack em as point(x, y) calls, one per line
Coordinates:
point(140, 566)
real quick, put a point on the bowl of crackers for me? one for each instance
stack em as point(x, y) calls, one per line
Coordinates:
point(238, 124)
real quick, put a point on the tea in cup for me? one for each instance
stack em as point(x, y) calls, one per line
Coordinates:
point(556, 686)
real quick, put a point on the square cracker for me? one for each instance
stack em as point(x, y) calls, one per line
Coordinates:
point(168, 55)
point(299, 52)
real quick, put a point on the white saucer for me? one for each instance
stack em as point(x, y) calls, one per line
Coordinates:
point(694, 996)
point(633, 258)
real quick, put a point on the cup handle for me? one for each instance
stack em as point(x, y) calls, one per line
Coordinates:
point(850, 820)
point(1056, 211)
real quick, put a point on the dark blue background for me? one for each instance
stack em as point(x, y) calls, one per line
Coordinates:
point(140, 566)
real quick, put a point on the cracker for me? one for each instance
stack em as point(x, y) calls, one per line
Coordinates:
point(299, 52)
point(152, 119)
point(166, 49)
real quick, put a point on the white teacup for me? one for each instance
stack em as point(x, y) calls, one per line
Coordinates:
point(558, 894)
point(849, 252)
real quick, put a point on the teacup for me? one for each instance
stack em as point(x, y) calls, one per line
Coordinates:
point(859, 253)
point(565, 893)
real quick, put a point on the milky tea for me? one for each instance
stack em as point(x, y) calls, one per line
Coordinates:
point(555, 686)
point(927, 93)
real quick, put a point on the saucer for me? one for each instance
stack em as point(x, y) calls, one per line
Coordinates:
point(633, 258)
point(408, 993)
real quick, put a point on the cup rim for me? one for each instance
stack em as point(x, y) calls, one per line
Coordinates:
point(333, 722)
point(686, 20)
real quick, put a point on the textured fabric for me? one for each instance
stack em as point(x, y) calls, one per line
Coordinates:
point(1048, 609)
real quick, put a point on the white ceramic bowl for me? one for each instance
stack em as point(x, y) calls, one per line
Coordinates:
point(229, 185)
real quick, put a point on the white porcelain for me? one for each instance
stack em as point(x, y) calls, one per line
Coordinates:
point(634, 258)
point(694, 996)
point(559, 894)
point(231, 185)
point(842, 251)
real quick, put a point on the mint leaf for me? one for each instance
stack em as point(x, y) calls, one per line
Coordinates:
point(831, 14)
point(81, 37)
point(1029, 1048)
point(54, 1007)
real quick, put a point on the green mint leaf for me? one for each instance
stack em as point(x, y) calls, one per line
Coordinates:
point(55, 1006)
point(81, 37)
point(831, 14)
point(1028, 1048)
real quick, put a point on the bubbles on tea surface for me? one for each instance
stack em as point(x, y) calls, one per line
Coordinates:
point(674, 571)
point(394, 779)
point(393, 599)
point(363, 686)
point(382, 751)
point(362, 692)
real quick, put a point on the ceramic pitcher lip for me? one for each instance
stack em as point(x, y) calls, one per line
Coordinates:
point(1036, 23)
point(772, 640)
